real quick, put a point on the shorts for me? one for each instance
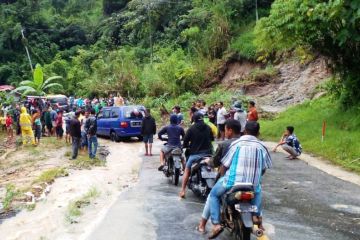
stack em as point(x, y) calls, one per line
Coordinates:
point(148, 138)
point(59, 131)
point(290, 150)
point(9, 128)
point(49, 126)
point(194, 158)
point(166, 149)
point(67, 129)
point(38, 131)
point(221, 127)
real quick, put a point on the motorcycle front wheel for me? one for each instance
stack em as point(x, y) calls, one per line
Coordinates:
point(241, 232)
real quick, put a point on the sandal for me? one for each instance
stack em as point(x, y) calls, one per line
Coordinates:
point(215, 234)
point(200, 231)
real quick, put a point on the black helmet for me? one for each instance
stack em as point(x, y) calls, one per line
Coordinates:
point(198, 117)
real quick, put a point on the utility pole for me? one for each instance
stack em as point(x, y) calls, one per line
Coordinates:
point(26, 48)
point(256, 9)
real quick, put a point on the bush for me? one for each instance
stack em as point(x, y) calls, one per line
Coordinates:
point(244, 45)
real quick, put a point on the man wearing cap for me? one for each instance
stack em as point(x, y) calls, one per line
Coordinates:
point(240, 115)
point(198, 141)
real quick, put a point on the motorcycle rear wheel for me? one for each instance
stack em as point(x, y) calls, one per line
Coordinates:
point(241, 232)
point(176, 176)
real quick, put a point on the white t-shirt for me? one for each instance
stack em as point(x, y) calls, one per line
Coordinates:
point(221, 116)
point(241, 117)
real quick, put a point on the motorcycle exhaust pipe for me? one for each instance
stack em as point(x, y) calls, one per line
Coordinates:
point(258, 232)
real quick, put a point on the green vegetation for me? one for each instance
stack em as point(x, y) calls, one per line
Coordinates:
point(38, 86)
point(75, 208)
point(84, 162)
point(330, 28)
point(49, 175)
point(340, 145)
point(10, 195)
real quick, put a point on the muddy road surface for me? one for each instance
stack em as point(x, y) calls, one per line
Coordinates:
point(300, 202)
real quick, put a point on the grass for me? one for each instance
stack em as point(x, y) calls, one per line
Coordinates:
point(75, 208)
point(84, 162)
point(341, 145)
point(49, 175)
point(10, 195)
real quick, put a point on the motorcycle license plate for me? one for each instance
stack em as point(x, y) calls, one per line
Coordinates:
point(243, 208)
point(205, 174)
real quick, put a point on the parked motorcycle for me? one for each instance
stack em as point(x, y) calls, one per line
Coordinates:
point(202, 178)
point(237, 211)
point(173, 165)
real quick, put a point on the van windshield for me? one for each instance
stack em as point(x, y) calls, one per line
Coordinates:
point(134, 112)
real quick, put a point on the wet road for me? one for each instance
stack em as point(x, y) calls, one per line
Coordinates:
point(300, 202)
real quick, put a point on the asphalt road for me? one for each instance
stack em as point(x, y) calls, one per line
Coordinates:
point(300, 202)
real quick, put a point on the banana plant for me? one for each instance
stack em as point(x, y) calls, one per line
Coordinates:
point(38, 86)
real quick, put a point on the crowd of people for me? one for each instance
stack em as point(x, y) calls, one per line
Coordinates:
point(240, 156)
point(38, 117)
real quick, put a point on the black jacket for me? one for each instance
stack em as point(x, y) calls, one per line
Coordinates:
point(91, 126)
point(148, 126)
point(221, 151)
point(75, 128)
point(198, 139)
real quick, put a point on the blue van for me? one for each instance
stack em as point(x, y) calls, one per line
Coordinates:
point(120, 122)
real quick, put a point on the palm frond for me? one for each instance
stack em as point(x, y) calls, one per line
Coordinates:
point(50, 79)
point(51, 85)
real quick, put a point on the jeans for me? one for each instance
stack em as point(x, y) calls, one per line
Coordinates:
point(75, 147)
point(194, 158)
point(212, 206)
point(84, 140)
point(92, 146)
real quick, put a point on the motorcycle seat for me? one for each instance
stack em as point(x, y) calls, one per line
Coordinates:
point(176, 151)
point(244, 187)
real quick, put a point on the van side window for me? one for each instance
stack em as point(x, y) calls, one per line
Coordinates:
point(115, 113)
point(106, 114)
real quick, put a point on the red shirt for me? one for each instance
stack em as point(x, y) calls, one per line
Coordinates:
point(8, 121)
point(253, 115)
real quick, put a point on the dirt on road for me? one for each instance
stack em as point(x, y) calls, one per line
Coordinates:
point(76, 203)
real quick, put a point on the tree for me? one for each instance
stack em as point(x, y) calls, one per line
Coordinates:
point(38, 86)
point(331, 28)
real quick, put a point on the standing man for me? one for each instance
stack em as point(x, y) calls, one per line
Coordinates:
point(91, 129)
point(253, 114)
point(221, 118)
point(53, 116)
point(240, 115)
point(148, 130)
point(75, 132)
point(198, 141)
point(177, 112)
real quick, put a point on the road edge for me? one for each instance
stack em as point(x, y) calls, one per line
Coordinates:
point(324, 165)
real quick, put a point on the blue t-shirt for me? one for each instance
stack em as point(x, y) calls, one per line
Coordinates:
point(174, 133)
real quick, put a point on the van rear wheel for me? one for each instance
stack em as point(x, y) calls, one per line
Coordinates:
point(114, 137)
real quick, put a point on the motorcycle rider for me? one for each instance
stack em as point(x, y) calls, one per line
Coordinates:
point(198, 141)
point(245, 162)
point(232, 133)
point(174, 133)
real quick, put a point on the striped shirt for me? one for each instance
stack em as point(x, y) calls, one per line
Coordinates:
point(245, 160)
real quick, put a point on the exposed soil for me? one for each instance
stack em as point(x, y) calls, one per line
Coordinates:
point(294, 82)
point(48, 219)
